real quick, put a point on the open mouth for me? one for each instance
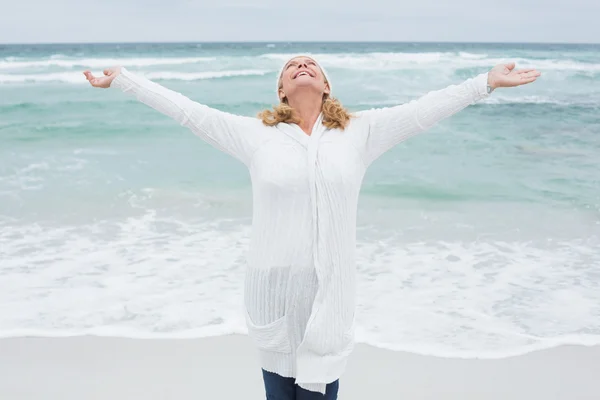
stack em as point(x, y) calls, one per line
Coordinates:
point(302, 73)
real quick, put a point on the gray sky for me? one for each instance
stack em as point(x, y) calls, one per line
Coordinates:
point(27, 21)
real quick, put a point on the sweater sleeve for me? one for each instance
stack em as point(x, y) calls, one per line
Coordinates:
point(389, 126)
point(232, 134)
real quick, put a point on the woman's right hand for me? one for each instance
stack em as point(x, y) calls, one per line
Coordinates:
point(103, 81)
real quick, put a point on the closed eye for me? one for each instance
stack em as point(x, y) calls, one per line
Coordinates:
point(295, 63)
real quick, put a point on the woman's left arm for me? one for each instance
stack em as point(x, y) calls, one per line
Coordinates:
point(390, 126)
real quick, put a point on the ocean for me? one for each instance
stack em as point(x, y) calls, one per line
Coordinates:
point(479, 238)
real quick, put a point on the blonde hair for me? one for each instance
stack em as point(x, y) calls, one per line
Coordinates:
point(335, 115)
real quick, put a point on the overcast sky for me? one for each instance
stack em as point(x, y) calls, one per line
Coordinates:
point(43, 21)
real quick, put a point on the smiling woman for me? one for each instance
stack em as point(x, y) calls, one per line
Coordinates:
point(307, 162)
point(304, 73)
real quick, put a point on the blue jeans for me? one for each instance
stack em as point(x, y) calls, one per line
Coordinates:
point(280, 388)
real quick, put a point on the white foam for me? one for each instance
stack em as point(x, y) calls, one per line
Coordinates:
point(485, 298)
point(56, 61)
point(500, 99)
point(69, 77)
point(92, 151)
point(44, 166)
point(79, 78)
point(362, 57)
point(476, 56)
point(494, 99)
point(192, 76)
point(446, 352)
point(367, 61)
point(145, 276)
point(437, 62)
point(445, 60)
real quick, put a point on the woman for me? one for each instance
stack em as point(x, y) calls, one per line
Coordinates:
point(307, 159)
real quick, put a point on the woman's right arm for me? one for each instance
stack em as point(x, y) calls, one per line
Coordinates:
point(233, 134)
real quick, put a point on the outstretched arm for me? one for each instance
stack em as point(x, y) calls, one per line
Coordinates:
point(390, 126)
point(230, 133)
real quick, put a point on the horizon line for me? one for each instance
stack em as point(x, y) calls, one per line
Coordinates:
point(295, 42)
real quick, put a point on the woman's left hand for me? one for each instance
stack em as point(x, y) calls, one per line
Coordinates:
point(505, 75)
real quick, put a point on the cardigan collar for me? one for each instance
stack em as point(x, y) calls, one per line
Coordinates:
point(295, 132)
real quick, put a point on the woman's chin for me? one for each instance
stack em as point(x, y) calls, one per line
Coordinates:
point(307, 87)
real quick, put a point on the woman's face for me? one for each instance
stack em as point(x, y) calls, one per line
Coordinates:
point(301, 74)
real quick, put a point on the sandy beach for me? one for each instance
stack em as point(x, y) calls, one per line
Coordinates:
point(226, 368)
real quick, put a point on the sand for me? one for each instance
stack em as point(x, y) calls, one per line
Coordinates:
point(86, 368)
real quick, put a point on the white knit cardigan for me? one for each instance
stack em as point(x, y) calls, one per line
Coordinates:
point(301, 277)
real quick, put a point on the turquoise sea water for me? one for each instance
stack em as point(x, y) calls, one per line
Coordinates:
point(480, 237)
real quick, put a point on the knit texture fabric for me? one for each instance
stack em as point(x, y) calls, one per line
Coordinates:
point(300, 281)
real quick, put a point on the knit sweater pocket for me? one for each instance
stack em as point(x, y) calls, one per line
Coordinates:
point(265, 305)
point(270, 337)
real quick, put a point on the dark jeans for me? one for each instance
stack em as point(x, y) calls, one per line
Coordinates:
point(280, 388)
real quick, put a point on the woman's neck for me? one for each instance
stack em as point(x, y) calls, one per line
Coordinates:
point(308, 109)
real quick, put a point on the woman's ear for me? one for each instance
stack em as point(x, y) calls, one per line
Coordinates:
point(327, 89)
